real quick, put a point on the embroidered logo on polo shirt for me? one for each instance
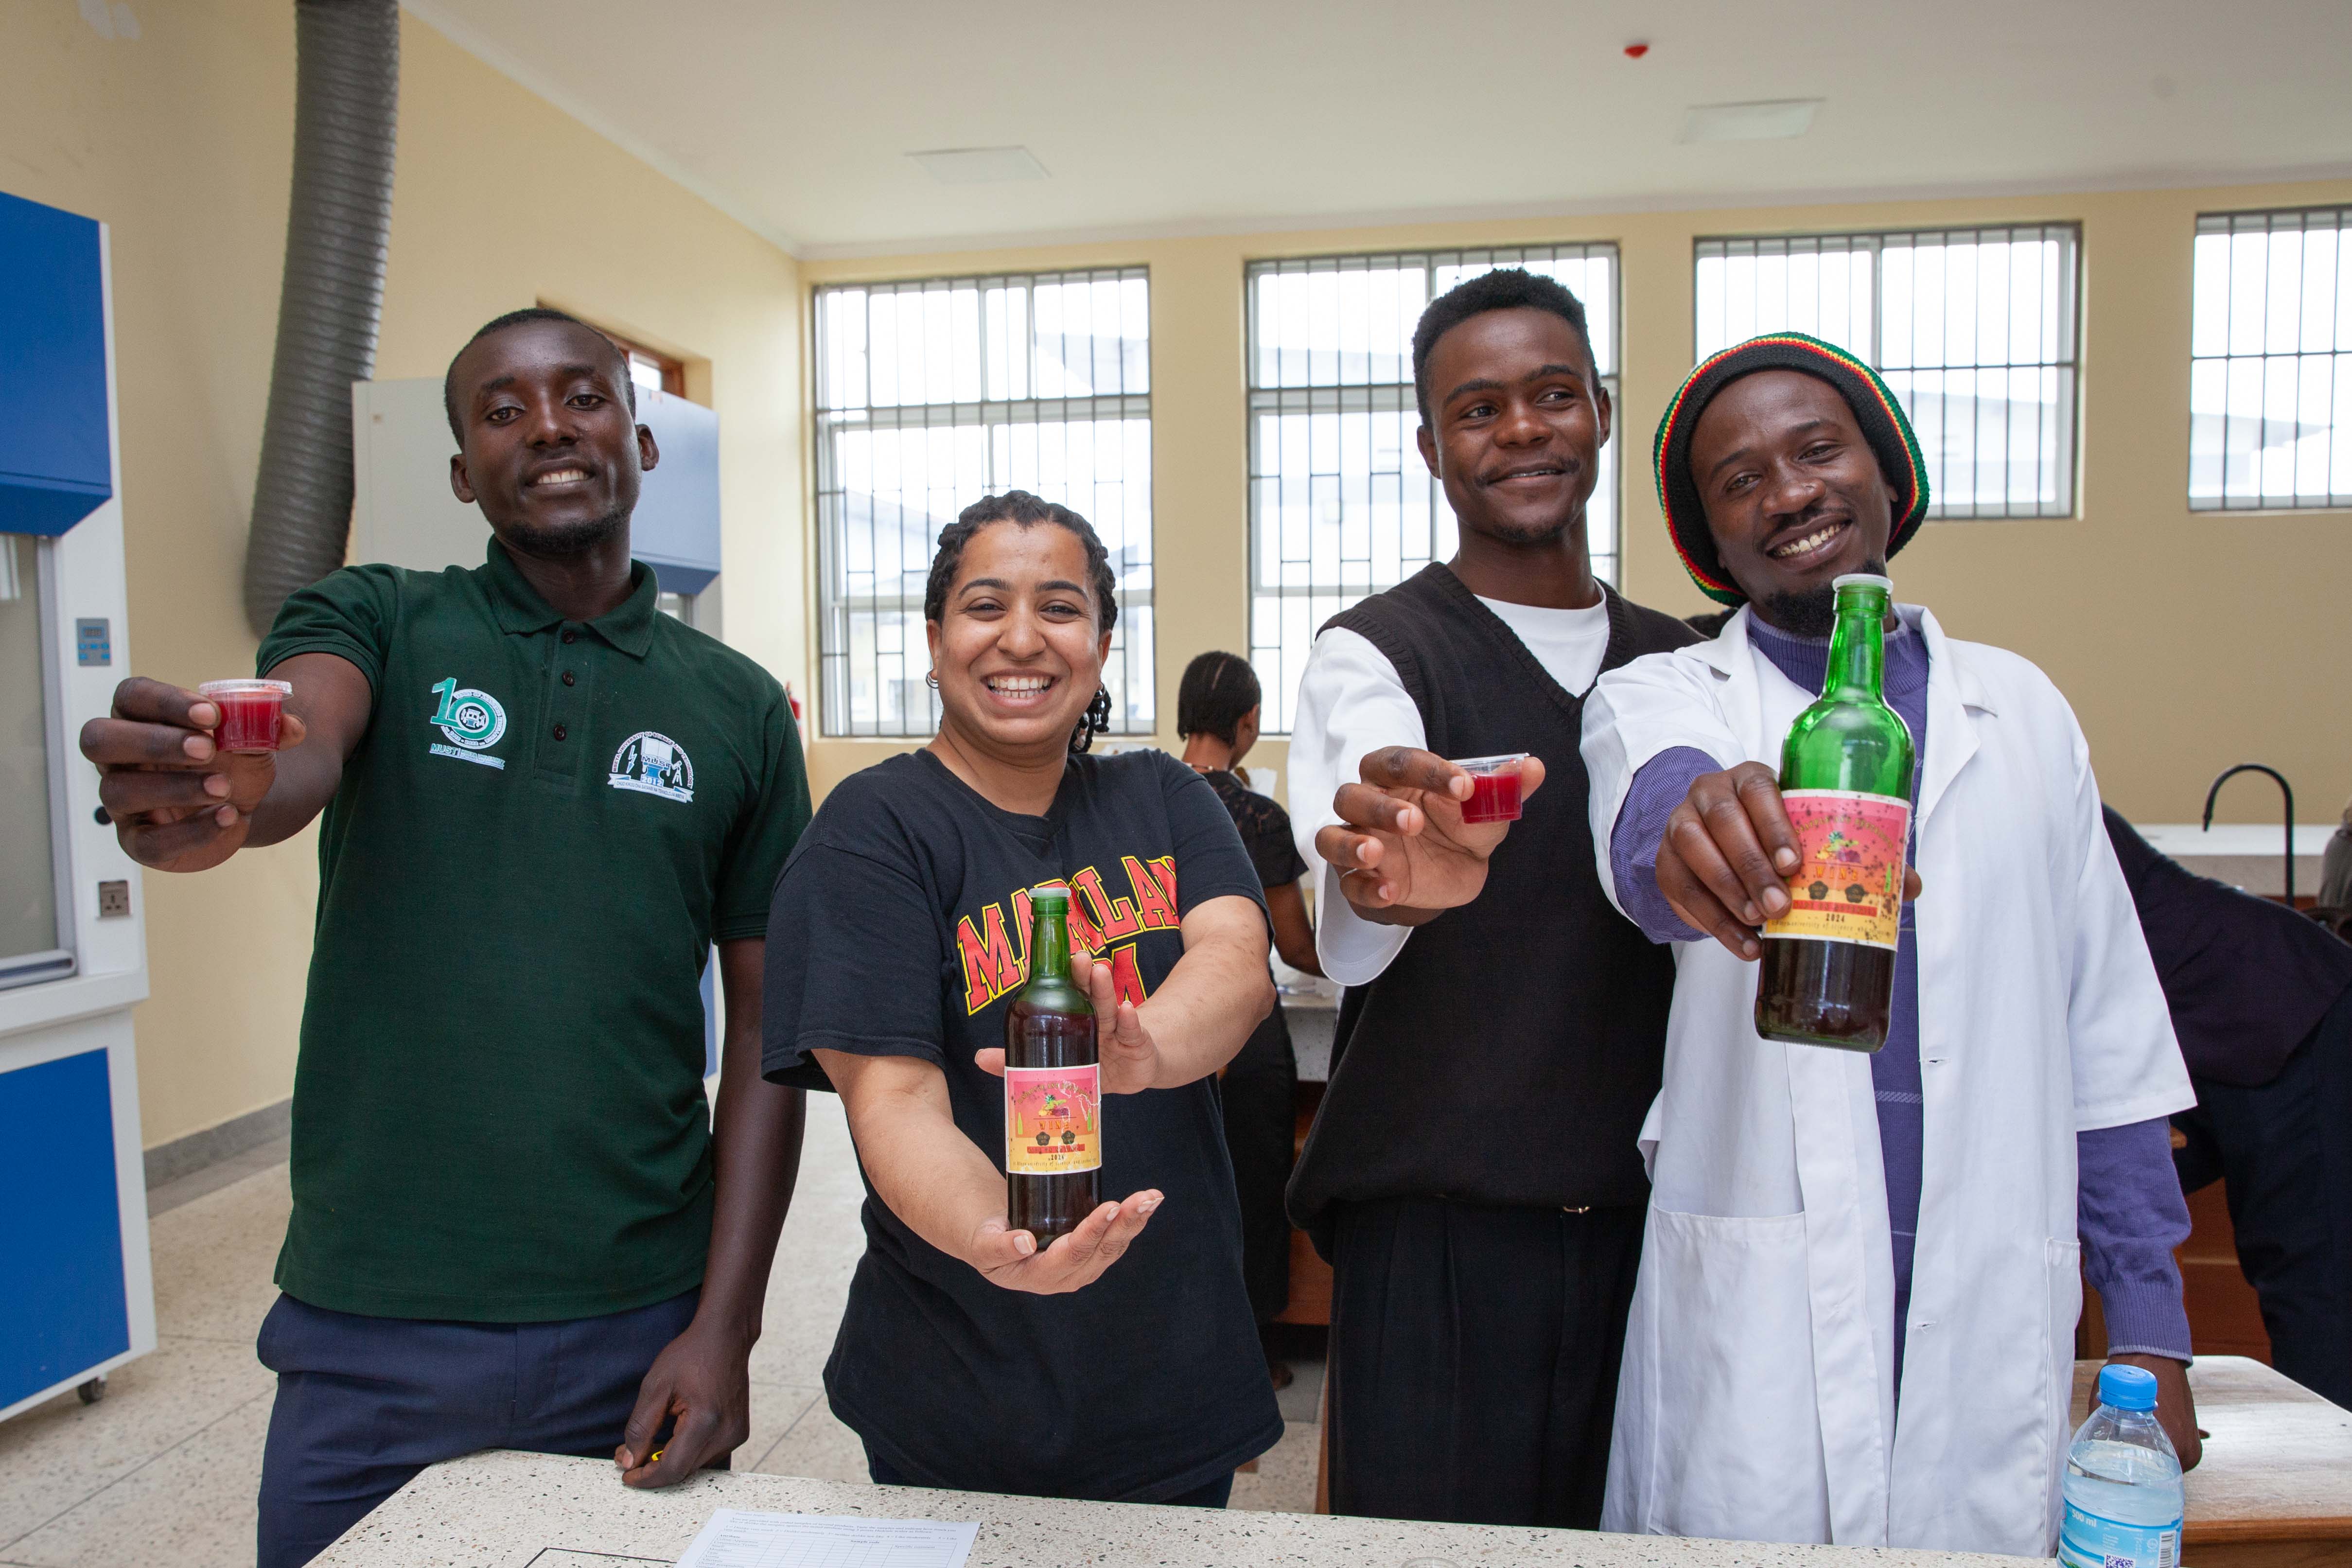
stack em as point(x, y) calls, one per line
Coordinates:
point(472, 720)
point(650, 763)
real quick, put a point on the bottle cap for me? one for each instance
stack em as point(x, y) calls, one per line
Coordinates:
point(1863, 580)
point(2127, 1387)
point(1055, 891)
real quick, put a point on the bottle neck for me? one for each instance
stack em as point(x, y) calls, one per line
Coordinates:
point(1857, 665)
point(1049, 942)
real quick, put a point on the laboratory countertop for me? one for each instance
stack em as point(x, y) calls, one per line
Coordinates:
point(507, 1511)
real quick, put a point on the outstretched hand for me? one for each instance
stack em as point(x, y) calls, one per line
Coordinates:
point(1727, 853)
point(1009, 1257)
point(178, 802)
point(1401, 850)
point(1131, 1057)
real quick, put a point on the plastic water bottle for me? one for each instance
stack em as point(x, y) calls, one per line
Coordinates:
point(2123, 1481)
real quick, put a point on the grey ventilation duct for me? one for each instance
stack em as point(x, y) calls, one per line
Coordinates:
point(346, 114)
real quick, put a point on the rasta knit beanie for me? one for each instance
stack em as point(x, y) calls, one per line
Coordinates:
point(1875, 409)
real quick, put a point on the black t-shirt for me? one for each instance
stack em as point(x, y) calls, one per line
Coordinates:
point(1265, 828)
point(897, 937)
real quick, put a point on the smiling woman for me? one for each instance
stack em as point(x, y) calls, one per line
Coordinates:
point(910, 909)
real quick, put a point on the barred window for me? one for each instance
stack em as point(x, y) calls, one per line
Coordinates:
point(1974, 330)
point(1340, 503)
point(932, 394)
point(2269, 367)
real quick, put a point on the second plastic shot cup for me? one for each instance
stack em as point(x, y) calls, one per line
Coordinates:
point(1494, 787)
point(249, 712)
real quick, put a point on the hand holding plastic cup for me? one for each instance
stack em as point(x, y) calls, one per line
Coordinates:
point(250, 711)
point(1494, 787)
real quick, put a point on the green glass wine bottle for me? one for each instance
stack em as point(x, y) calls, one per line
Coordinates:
point(1052, 1085)
point(1828, 972)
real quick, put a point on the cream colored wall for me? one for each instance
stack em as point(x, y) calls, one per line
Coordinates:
point(182, 141)
point(2186, 643)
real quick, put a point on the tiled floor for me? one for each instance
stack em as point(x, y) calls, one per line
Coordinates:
point(162, 1469)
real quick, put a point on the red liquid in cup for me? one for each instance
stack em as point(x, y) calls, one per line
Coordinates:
point(1494, 797)
point(249, 713)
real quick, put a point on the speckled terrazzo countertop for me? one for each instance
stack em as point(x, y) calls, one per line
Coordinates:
point(529, 1511)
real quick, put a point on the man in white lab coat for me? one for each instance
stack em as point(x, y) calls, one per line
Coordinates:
point(1854, 1318)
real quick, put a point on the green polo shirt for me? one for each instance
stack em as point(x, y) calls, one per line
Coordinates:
point(498, 1113)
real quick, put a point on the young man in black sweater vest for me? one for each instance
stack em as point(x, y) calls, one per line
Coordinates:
point(1472, 1175)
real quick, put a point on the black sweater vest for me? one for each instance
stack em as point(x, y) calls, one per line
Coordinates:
point(1510, 1052)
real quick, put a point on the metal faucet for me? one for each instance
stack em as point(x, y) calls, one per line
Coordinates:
point(2285, 789)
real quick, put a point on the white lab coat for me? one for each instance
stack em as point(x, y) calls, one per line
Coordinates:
point(1757, 1398)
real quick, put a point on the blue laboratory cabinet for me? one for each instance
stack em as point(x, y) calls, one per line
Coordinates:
point(55, 459)
point(77, 1294)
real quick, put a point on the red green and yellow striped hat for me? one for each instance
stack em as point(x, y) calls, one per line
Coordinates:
point(1875, 409)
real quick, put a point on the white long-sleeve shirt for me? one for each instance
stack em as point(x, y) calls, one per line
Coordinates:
point(1350, 702)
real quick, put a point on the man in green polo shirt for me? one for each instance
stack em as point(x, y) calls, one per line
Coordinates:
point(543, 803)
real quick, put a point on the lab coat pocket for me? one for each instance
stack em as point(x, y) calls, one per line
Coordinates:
point(1736, 1427)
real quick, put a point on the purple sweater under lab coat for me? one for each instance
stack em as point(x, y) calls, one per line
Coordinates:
point(2129, 1209)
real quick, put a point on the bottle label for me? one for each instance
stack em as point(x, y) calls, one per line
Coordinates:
point(1848, 886)
point(1053, 1120)
point(2087, 1540)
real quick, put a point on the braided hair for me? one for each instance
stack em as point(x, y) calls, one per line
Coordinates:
point(1025, 511)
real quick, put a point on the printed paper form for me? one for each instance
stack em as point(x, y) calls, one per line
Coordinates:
point(738, 1538)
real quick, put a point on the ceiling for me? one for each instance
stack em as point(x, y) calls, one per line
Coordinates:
point(1241, 114)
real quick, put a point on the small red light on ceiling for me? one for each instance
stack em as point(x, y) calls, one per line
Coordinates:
point(1635, 51)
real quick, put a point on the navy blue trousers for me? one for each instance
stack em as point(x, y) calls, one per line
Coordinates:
point(363, 1404)
point(2286, 1149)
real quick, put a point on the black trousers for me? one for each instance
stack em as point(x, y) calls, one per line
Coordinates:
point(1258, 1093)
point(1474, 1358)
point(2286, 1149)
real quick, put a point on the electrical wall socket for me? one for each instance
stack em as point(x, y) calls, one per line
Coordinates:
point(113, 899)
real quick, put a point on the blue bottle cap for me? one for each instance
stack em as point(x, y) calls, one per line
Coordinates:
point(2127, 1387)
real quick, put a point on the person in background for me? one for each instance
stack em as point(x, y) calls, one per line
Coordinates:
point(1217, 718)
point(515, 1223)
point(2335, 871)
point(1120, 1362)
point(1859, 1288)
point(1472, 1174)
point(2262, 1001)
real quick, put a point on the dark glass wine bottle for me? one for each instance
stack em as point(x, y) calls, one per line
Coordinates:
point(1828, 971)
point(1053, 1090)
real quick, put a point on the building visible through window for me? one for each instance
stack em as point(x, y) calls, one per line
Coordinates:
point(932, 394)
point(2270, 369)
point(1974, 330)
point(1341, 503)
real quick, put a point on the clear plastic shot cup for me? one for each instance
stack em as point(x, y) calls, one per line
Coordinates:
point(249, 712)
point(1494, 787)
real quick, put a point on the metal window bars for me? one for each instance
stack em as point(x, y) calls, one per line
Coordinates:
point(1974, 329)
point(933, 393)
point(2270, 365)
point(1340, 504)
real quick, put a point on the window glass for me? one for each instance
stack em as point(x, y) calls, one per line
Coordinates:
point(2269, 368)
point(935, 393)
point(1341, 504)
point(30, 946)
point(1973, 330)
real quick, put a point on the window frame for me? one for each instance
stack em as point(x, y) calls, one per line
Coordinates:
point(1343, 397)
point(62, 960)
point(834, 708)
point(2065, 463)
point(2231, 222)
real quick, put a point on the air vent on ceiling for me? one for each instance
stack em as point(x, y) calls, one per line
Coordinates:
point(1772, 121)
point(979, 166)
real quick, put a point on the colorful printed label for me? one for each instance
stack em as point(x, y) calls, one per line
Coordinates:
point(1848, 884)
point(1053, 1120)
point(2086, 1539)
